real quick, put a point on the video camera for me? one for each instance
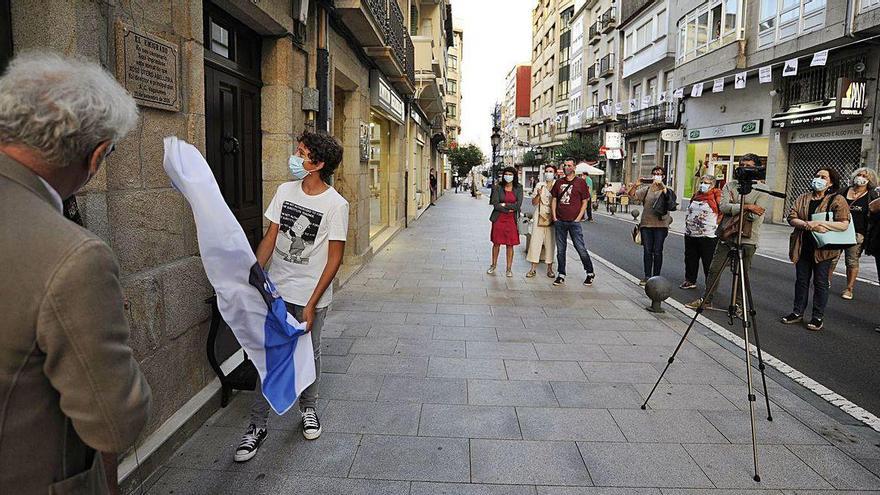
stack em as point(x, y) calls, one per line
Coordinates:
point(747, 176)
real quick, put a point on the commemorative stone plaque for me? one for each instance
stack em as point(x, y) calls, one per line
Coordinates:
point(148, 67)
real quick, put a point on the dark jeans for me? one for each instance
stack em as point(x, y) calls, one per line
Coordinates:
point(721, 251)
point(697, 250)
point(590, 210)
point(563, 229)
point(805, 268)
point(652, 249)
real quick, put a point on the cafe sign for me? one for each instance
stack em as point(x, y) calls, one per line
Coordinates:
point(748, 128)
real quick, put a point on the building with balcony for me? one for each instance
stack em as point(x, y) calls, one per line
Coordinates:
point(515, 118)
point(792, 121)
point(551, 68)
point(453, 97)
point(647, 84)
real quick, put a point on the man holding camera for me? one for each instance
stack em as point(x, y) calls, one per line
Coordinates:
point(755, 205)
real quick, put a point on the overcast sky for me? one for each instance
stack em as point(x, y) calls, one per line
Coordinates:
point(497, 36)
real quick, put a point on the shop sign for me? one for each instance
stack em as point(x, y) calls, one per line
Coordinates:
point(614, 154)
point(147, 67)
point(748, 128)
point(851, 100)
point(383, 97)
point(673, 135)
point(826, 134)
point(613, 140)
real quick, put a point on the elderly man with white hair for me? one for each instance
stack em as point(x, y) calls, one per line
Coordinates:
point(72, 397)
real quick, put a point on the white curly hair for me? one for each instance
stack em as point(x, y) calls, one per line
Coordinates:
point(63, 107)
point(869, 174)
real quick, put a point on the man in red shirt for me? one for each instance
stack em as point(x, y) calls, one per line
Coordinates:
point(570, 197)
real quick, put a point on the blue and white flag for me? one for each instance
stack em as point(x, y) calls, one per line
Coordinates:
point(274, 340)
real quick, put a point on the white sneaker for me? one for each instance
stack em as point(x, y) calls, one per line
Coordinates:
point(311, 425)
point(491, 270)
point(250, 443)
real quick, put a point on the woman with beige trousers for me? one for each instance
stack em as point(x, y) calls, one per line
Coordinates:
point(542, 225)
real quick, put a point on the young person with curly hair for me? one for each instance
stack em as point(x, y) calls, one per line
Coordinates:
point(305, 242)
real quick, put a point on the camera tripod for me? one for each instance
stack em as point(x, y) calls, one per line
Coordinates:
point(742, 289)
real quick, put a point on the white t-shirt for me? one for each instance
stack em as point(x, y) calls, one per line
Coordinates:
point(306, 225)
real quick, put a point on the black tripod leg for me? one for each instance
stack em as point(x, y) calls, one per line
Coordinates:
point(709, 290)
point(753, 313)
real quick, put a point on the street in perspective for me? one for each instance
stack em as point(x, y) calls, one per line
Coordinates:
point(417, 247)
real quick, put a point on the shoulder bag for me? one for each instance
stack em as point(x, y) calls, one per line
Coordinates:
point(833, 240)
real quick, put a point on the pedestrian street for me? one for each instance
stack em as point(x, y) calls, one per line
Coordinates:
point(438, 378)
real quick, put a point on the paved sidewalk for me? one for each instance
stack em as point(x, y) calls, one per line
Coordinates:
point(439, 378)
point(773, 244)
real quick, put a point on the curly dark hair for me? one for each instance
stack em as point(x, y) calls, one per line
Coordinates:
point(323, 148)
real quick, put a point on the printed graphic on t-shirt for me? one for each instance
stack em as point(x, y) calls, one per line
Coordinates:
point(565, 198)
point(298, 230)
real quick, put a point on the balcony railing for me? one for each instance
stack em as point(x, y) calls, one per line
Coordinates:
point(606, 110)
point(594, 33)
point(609, 20)
point(817, 84)
point(591, 114)
point(592, 74)
point(379, 27)
point(653, 117)
point(606, 65)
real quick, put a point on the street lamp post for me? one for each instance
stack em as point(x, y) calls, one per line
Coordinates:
point(496, 141)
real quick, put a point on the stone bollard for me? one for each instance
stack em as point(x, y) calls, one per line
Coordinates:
point(658, 289)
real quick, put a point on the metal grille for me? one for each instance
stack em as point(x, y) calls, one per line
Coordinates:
point(804, 158)
point(818, 84)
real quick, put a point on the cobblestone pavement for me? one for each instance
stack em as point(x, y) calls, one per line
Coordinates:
point(439, 378)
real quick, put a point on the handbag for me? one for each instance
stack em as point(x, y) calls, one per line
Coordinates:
point(729, 228)
point(637, 235)
point(834, 240)
point(665, 203)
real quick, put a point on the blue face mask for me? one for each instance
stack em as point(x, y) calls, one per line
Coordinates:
point(818, 184)
point(297, 170)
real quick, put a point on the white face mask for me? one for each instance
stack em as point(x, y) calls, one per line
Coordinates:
point(704, 188)
point(818, 184)
point(508, 178)
point(860, 181)
point(658, 178)
point(548, 176)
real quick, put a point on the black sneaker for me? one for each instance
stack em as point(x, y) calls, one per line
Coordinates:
point(792, 318)
point(560, 280)
point(589, 280)
point(687, 285)
point(250, 443)
point(815, 324)
point(311, 425)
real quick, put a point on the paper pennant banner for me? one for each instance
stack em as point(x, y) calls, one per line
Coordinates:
point(606, 110)
point(819, 58)
point(633, 105)
point(678, 93)
point(663, 96)
point(718, 85)
point(739, 81)
point(790, 68)
point(765, 74)
point(697, 90)
point(618, 107)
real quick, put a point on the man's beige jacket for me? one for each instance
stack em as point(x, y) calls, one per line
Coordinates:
point(69, 385)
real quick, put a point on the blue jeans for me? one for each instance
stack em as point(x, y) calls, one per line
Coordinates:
point(804, 269)
point(563, 229)
point(652, 249)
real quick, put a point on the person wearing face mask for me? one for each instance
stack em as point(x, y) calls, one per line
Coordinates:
point(305, 241)
point(858, 196)
point(506, 200)
point(755, 205)
point(543, 235)
point(653, 227)
point(701, 222)
point(810, 261)
point(73, 395)
point(568, 205)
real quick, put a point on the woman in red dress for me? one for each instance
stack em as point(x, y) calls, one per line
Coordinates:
point(506, 201)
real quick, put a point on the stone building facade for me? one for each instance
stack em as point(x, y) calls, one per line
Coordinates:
point(551, 40)
point(246, 79)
